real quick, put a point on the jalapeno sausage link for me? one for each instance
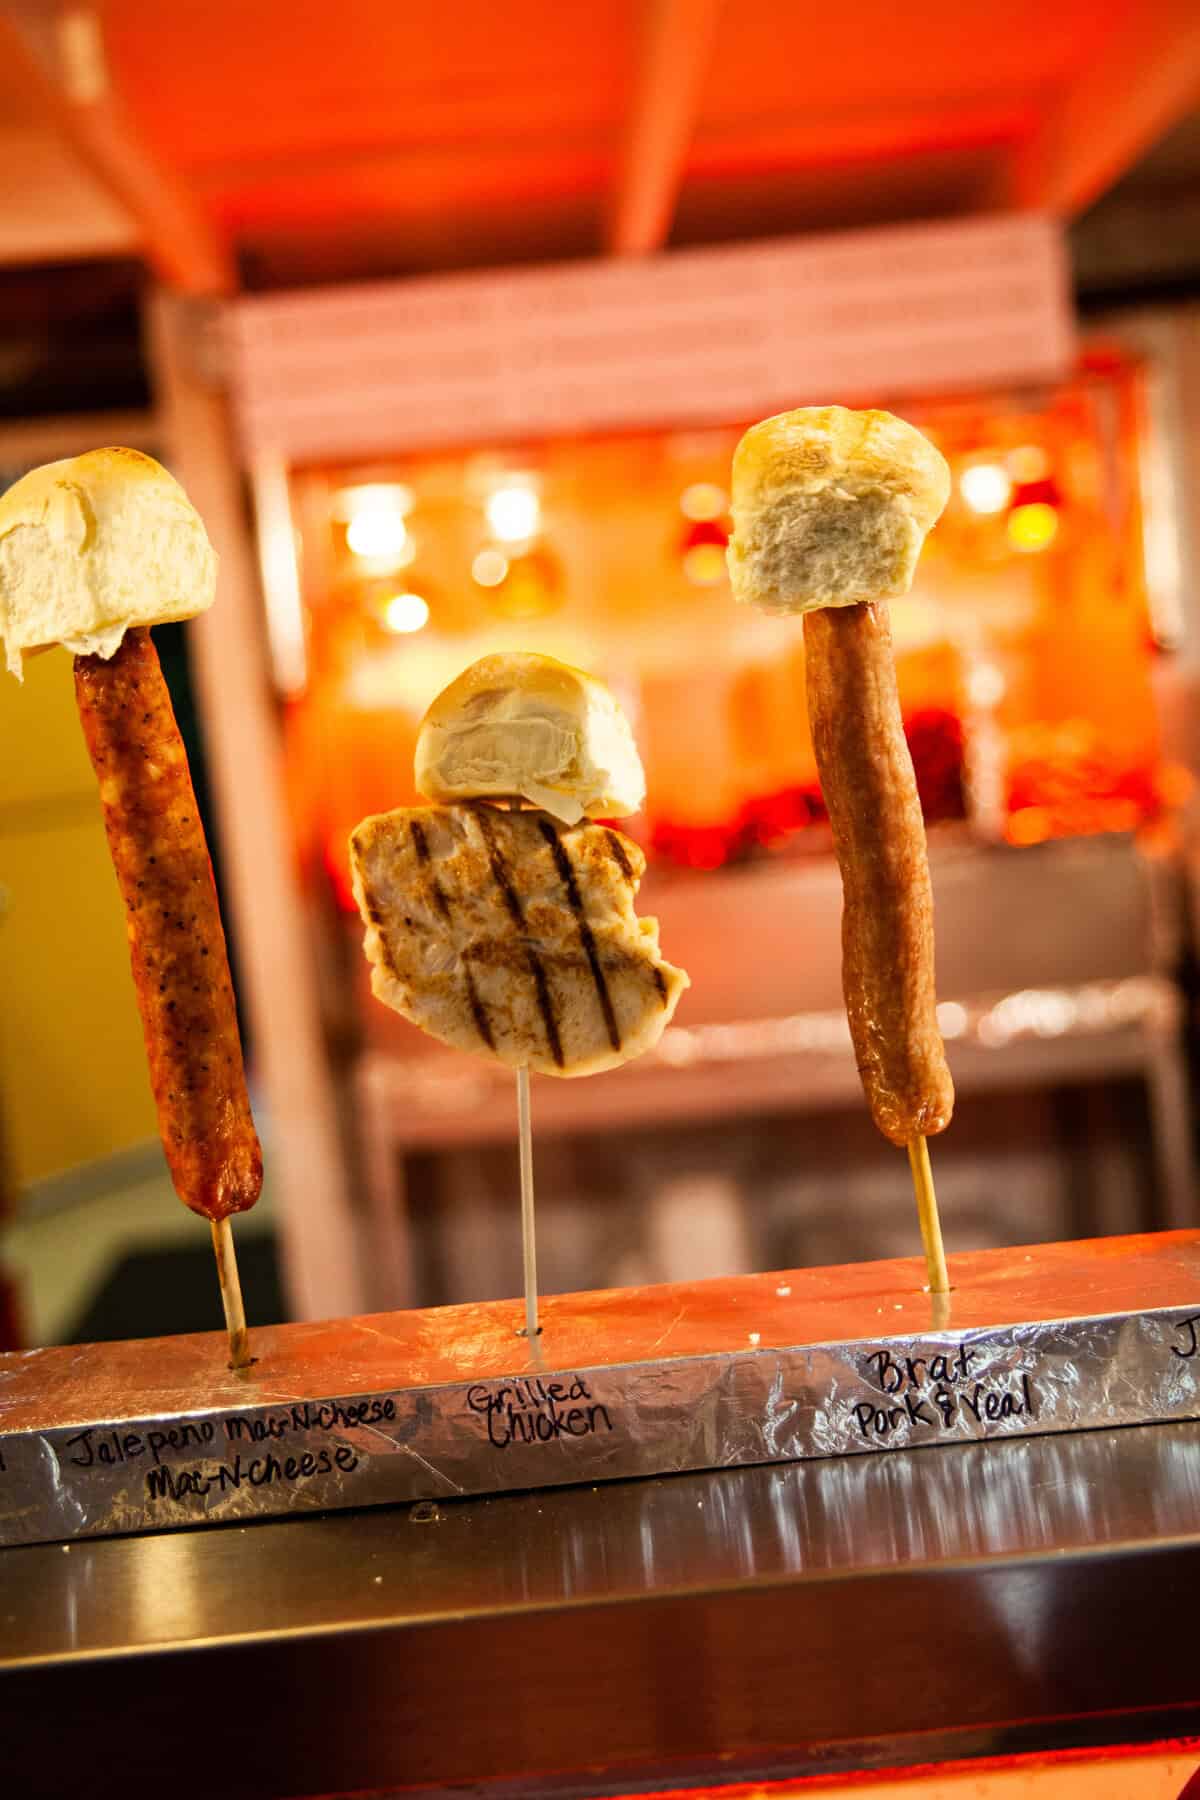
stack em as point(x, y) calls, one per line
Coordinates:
point(879, 835)
point(176, 944)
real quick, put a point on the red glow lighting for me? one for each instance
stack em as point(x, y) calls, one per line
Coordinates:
point(1032, 1764)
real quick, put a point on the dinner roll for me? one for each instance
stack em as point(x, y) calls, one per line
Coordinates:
point(94, 545)
point(830, 508)
point(525, 726)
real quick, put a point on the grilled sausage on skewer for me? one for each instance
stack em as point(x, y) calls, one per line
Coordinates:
point(830, 510)
point(176, 944)
point(887, 915)
point(94, 550)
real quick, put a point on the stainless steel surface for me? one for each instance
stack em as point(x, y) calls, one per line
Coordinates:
point(753, 1369)
point(749, 1622)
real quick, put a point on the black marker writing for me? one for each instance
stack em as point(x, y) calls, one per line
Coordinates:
point(259, 1471)
point(985, 1402)
point(110, 1447)
point(309, 1415)
point(1187, 1330)
point(537, 1412)
point(895, 1373)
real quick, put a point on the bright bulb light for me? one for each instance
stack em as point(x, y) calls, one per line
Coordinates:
point(406, 612)
point(952, 1019)
point(985, 487)
point(703, 501)
point(1032, 527)
point(375, 533)
point(490, 567)
point(373, 496)
point(513, 513)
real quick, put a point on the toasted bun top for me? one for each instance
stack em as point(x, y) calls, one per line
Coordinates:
point(94, 545)
point(525, 726)
point(831, 508)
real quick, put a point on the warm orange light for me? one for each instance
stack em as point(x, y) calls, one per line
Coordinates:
point(1032, 825)
point(377, 536)
point(490, 567)
point(702, 501)
point(985, 685)
point(532, 586)
point(985, 487)
point(1032, 527)
point(373, 496)
point(1028, 463)
point(514, 513)
point(405, 613)
point(704, 564)
point(375, 514)
point(1175, 784)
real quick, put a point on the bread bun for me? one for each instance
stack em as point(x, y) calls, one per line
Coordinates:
point(831, 508)
point(94, 545)
point(521, 725)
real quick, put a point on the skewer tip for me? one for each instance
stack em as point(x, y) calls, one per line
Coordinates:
point(927, 1215)
point(231, 1294)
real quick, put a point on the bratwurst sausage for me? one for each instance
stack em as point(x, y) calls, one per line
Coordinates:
point(176, 944)
point(887, 918)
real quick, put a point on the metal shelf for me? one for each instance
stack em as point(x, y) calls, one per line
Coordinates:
point(849, 1613)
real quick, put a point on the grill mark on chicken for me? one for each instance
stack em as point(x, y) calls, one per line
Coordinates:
point(512, 901)
point(566, 875)
point(619, 856)
point(478, 1012)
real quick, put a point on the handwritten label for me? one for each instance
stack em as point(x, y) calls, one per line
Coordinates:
point(1189, 1339)
point(107, 1447)
point(101, 1444)
point(173, 1483)
point(941, 1392)
point(322, 1415)
point(531, 1411)
point(203, 1478)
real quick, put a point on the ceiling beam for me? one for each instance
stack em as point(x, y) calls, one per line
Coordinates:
point(1145, 77)
point(60, 59)
point(673, 60)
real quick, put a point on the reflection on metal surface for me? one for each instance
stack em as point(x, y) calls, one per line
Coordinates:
point(1075, 1493)
point(750, 1369)
point(759, 1622)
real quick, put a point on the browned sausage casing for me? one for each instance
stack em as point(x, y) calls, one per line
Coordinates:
point(879, 835)
point(176, 943)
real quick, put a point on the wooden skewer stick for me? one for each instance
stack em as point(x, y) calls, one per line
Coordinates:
point(231, 1294)
point(528, 1241)
point(927, 1213)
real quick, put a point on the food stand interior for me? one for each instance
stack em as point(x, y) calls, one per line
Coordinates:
point(291, 250)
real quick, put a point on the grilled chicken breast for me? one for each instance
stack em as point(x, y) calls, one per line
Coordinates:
point(510, 933)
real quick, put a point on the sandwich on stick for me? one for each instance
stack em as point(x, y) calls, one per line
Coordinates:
point(830, 511)
point(501, 920)
point(93, 552)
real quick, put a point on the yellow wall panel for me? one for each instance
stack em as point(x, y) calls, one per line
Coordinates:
point(73, 1081)
point(42, 756)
